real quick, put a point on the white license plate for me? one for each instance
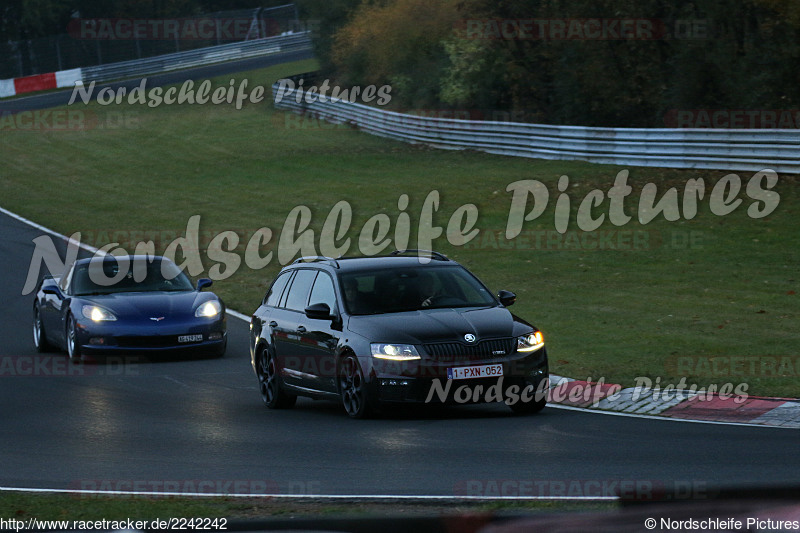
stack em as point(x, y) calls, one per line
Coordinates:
point(190, 338)
point(475, 372)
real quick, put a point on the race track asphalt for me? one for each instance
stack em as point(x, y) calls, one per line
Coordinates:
point(172, 424)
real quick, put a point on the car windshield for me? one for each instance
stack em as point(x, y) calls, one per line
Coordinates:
point(411, 289)
point(141, 276)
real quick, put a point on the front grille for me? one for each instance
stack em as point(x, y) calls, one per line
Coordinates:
point(452, 351)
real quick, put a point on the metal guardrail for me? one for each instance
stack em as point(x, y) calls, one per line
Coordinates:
point(717, 149)
point(197, 57)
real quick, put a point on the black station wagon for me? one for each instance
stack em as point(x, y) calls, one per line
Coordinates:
point(413, 326)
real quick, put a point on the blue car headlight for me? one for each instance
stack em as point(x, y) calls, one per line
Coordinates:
point(394, 352)
point(530, 342)
point(95, 313)
point(208, 309)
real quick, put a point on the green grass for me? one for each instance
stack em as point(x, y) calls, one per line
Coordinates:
point(618, 314)
point(49, 506)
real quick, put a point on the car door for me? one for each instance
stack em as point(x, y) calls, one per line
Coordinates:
point(287, 326)
point(320, 337)
point(262, 321)
point(55, 307)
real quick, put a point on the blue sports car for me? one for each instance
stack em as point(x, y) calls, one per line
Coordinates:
point(139, 304)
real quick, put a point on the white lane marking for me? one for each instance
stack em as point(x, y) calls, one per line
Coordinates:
point(44, 229)
point(237, 314)
point(375, 497)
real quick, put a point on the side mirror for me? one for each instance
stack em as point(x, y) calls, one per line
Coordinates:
point(202, 283)
point(507, 298)
point(319, 312)
point(51, 289)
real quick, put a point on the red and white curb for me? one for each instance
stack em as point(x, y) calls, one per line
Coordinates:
point(40, 82)
point(674, 404)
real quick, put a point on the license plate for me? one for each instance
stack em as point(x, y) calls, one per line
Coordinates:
point(475, 372)
point(190, 338)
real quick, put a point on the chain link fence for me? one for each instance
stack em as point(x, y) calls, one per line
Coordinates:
point(93, 42)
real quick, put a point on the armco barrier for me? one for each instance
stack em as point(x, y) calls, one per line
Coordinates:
point(39, 82)
point(719, 149)
point(158, 64)
point(198, 57)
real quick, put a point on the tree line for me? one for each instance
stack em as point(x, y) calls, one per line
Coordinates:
point(619, 63)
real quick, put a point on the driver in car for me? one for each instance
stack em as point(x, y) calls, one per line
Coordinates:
point(355, 300)
point(427, 289)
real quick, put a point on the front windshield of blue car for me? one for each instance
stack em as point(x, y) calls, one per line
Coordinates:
point(104, 277)
point(412, 289)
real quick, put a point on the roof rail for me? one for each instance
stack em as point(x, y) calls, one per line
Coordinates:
point(435, 255)
point(316, 259)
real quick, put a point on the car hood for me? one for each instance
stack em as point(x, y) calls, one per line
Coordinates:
point(436, 325)
point(151, 304)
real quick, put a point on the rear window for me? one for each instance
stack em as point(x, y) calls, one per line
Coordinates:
point(274, 294)
point(297, 298)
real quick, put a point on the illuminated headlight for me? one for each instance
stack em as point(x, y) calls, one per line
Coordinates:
point(530, 342)
point(209, 309)
point(97, 314)
point(395, 352)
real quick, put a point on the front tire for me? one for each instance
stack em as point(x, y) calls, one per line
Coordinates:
point(220, 352)
point(353, 388)
point(39, 334)
point(73, 347)
point(536, 404)
point(269, 383)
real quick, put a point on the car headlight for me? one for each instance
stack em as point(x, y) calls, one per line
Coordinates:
point(97, 314)
point(395, 352)
point(208, 309)
point(530, 342)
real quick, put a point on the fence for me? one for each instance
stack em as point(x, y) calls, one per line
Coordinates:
point(193, 58)
point(115, 40)
point(156, 65)
point(721, 149)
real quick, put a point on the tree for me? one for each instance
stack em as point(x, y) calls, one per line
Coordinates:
point(400, 43)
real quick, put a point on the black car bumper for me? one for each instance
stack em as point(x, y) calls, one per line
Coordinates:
point(524, 378)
